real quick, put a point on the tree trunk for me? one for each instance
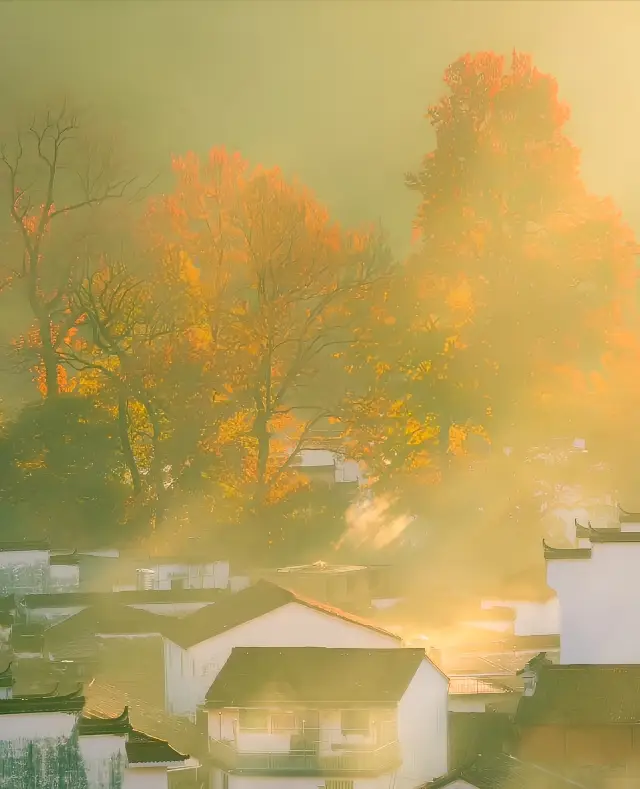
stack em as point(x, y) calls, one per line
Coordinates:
point(49, 358)
point(125, 442)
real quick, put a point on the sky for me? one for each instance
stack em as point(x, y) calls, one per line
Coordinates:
point(332, 91)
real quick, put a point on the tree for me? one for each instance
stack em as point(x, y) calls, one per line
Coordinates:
point(61, 472)
point(282, 298)
point(57, 184)
point(519, 280)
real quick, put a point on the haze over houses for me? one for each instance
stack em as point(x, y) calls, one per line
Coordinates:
point(267, 684)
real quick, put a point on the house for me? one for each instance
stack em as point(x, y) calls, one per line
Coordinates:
point(24, 567)
point(194, 648)
point(582, 720)
point(54, 607)
point(304, 717)
point(597, 589)
point(474, 694)
point(47, 742)
point(352, 587)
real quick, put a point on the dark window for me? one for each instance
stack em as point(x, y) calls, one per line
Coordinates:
point(254, 720)
point(355, 722)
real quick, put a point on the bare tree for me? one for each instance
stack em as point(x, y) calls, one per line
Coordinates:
point(55, 180)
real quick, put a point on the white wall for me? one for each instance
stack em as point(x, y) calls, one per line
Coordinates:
point(63, 576)
point(98, 752)
point(26, 558)
point(540, 618)
point(599, 600)
point(36, 726)
point(145, 778)
point(422, 728)
point(190, 673)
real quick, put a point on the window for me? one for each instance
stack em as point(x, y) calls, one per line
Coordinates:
point(355, 722)
point(333, 783)
point(254, 720)
point(283, 721)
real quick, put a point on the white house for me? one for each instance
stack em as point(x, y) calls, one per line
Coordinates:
point(598, 587)
point(263, 615)
point(196, 646)
point(340, 718)
point(24, 567)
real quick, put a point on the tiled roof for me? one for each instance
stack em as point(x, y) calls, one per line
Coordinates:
point(143, 749)
point(585, 695)
point(504, 772)
point(315, 675)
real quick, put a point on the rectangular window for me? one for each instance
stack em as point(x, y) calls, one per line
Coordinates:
point(283, 721)
point(254, 720)
point(355, 722)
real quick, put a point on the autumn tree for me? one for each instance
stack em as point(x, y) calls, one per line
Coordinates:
point(60, 190)
point(283, 299)
point(518, 280)
point(528, 270)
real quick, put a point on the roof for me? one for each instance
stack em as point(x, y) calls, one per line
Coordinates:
point(314, 675)
point(27, 638)
point(470, 686)
point(143, 749)
point(322, 567)
point(24, 545)
point(628, 517)
point(502, 771)
point(6, 677)
point(71, 702)
point(110, 620)
point(565, 553)
point(64, 558)
point(586, 695)
point(132, 597)
point(230, 611)
point(91, 724)
point(251, 603)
